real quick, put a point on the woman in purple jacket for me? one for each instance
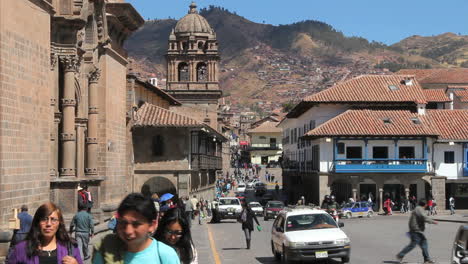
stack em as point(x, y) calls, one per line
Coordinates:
point(47, 241)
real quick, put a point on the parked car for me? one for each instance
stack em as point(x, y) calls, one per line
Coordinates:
point(356, 209)
point(256, 207)
point(272, 209)
point(251, 183)
point(229, 207)
point(460, 246)
point(240, 196)
point(306, 234)
point(241, 187)
point(260, 188)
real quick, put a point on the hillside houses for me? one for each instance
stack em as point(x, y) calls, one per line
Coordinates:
point(374, 135)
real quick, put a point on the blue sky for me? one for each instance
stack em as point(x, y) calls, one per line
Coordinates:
point(387, 21)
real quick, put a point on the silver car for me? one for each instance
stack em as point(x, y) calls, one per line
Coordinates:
point(460, 246)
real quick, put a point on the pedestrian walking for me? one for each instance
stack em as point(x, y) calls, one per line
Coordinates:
point(452, 205)
point(188, 211)
point(155, 198)
point(208, 208)
point(430, 204)
point(132, 243)
point(417, 224)
point(47, 241)
point(388, 206)
point(25, 225)
point(83, 226)
point(199, 211)
point(174, 231)
point(194, 201)
point(434, 207)
point(246, 218)
point(272, 178)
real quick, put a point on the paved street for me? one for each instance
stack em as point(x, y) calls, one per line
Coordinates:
point(374, 240)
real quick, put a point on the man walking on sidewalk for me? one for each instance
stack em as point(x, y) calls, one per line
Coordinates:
point(452, 205)
point(417, 224)
point(83, 225)
point(188, 211)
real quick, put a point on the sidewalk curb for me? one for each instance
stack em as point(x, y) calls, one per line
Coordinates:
point(450, 220)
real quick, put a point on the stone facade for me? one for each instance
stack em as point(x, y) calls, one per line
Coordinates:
point(63, 104)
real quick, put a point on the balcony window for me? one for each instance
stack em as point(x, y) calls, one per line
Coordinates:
point(340, 148)
point(354, 153)
point(449, 157)
point(380, 153)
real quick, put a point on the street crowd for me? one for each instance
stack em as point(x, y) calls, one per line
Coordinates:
point(145, 229)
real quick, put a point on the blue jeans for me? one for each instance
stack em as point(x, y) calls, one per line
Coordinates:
point(416, 239)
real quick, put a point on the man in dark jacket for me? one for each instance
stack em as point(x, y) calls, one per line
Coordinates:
point(246, 218)
point(417, 224)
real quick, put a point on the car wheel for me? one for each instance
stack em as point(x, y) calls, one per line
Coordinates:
point(345, 260)
point(348, 215)
point(370, 214)
point(275, 253)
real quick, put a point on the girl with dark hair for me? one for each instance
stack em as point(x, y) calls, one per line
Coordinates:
point(174, 230)
point(47, 240)
point(246, 218)
point(133, 244)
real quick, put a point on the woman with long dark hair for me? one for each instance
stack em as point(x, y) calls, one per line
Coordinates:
point(174, 230)
point(47, 240)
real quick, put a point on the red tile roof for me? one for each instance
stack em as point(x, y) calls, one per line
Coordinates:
point(419, 74)
point(445, 124)
point(267, 127)
point(451, 124)
point(155, 116)
point(460, 91)
point(452, 75)
point(371, 123)
point(436, 95)
point(372, 88)
point(149, 115)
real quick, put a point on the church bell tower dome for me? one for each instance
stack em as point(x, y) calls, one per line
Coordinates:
point(193, 24)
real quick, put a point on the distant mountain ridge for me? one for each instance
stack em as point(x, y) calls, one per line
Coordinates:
point(264, 67)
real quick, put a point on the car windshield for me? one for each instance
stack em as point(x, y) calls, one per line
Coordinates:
point(229, 202)
point(348, 205)
point(240, 185)
point(276, 204)
point(255, 205)
point(259, 184)
point(309, 221)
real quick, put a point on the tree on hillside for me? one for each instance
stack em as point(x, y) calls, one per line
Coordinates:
point(288, 106)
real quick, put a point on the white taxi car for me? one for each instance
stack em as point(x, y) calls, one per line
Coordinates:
point(229, 207)
point(304, 233)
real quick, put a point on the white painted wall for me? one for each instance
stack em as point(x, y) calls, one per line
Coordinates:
point(320, 114)
point(451, 171)
point(417, 144)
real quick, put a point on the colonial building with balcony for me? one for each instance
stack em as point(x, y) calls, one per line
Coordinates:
point(265, 143)
point(174, 153)
point(371, 135)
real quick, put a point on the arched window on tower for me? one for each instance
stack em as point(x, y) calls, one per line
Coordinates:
point(202, 72)
point(183, 72)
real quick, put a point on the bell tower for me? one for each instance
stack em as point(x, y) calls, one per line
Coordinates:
point(192, 67)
